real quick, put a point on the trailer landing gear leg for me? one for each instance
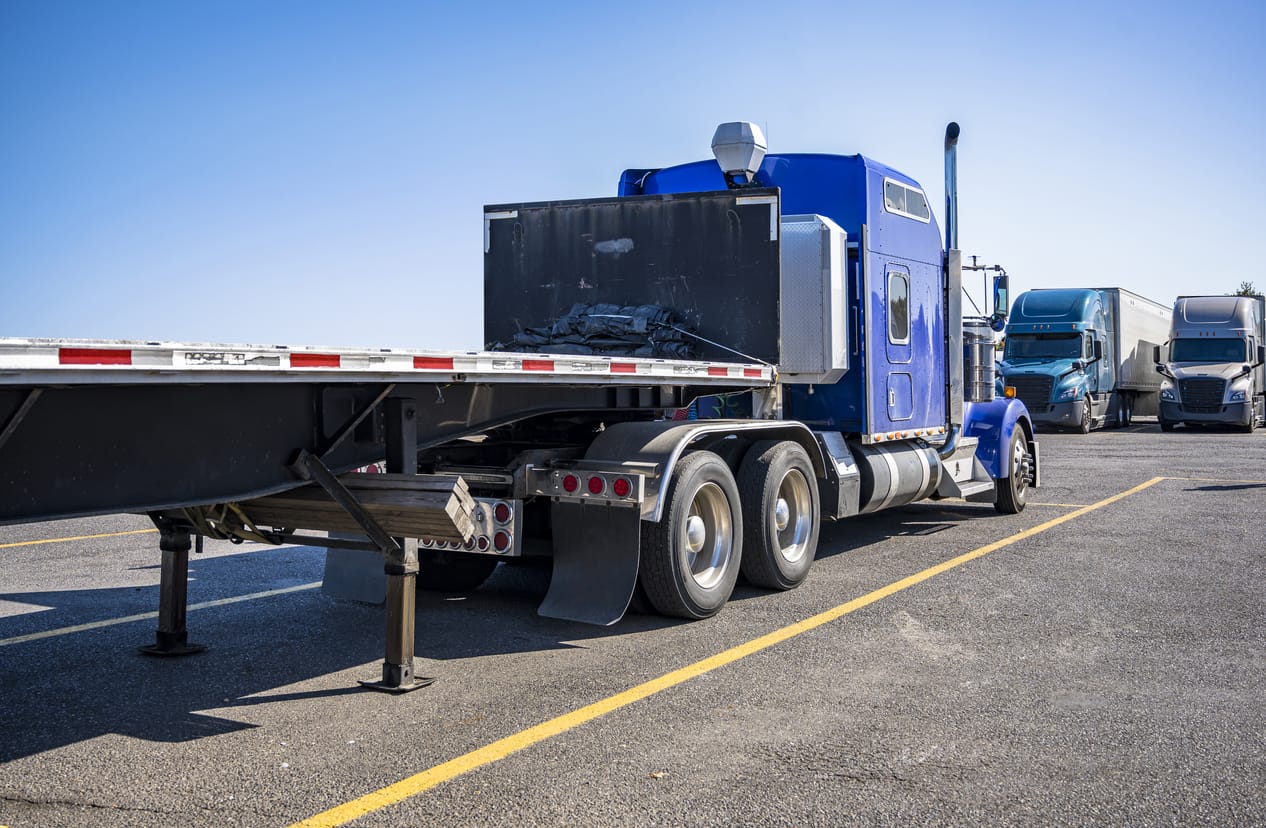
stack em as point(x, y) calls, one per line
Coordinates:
point(397, 665)
point(172, 639)
point(401, 567)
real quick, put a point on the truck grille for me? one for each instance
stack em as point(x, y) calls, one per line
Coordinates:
point(1202, 396)
point(1034, 390)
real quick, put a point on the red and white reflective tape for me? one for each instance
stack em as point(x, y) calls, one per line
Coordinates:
point(81, 358)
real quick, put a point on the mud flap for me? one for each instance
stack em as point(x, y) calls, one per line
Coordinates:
point(596, 550)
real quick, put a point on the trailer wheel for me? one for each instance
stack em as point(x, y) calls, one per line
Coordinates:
point(441, 570)
point(1013, 490)
point(690, 558)
point(1166, 426)
point(1125, 409)
point(1087, 416)
point(779, 493)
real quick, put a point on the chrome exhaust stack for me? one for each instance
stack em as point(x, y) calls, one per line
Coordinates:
point(953, 301)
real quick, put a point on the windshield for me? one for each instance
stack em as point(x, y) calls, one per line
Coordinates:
point(1043, 346)
point(1207, 350)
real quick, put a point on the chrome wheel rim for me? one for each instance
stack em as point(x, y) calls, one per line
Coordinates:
point(707, 536)
point(792, 516)
point(1019, 476)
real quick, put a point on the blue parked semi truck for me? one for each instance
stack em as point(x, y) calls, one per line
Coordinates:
point(1081, 358)
point(808, 297)
point(1214, 364)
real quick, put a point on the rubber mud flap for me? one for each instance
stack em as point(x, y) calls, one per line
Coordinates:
point(596, 550)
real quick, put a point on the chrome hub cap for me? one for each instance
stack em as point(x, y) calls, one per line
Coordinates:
point(782, 514)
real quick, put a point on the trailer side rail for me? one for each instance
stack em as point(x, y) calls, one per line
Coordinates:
point(35, 362)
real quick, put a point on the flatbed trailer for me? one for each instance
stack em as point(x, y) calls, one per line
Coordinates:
point(826, 381)
point(93, 427)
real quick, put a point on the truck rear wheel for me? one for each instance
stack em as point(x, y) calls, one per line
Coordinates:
point(1013, 490)
point(691, 557)
point(781, 511)
point(441, 570)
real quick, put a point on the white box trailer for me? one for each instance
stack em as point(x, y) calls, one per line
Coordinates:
point(1138, 326)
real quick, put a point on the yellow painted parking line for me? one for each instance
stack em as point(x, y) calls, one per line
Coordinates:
point(127, 619)
point(76, 538)
point(427, 779)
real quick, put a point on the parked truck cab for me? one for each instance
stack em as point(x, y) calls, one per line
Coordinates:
point(1213, 363)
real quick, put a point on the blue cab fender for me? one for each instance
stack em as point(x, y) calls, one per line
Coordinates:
point(993, 423)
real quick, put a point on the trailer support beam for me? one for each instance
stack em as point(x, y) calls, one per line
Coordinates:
point(402, 563)
point(172, 639)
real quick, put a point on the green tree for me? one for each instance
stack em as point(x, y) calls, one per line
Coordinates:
point(1246, 289)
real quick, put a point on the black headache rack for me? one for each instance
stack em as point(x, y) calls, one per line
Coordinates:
point(710, 258)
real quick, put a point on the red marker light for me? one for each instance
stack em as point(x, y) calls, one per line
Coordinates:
point(597, 485)
point(571, 483)
point(482, 543)
point(621, 487)
point(501, 541)
point(501, 513)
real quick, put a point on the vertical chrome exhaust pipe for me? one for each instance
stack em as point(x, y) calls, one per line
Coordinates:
point(951, 186)
point(953, 308)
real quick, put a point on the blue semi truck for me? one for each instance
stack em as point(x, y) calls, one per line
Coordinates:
point(1081, 358)
point(807, 296)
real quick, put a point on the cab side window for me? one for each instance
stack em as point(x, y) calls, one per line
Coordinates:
point(898, 308)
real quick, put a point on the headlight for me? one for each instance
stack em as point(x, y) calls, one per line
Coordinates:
point(1069, 393)
point(1238, 396)
point(1167, 391)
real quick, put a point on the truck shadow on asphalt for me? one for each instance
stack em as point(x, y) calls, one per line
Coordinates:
point(73, 687)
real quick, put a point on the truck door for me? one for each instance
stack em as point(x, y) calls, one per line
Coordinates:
point(1102, 373)
point(904, 332)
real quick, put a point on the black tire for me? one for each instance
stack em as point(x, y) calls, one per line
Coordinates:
point(1087, 416)
point(1125, 409)
point(442, 570)
point(781, 514)
point(1166, 427)
point(691, 557)
point(1013, 490)
point(731, 451)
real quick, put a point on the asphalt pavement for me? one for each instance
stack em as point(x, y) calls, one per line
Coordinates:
point(1097, 659)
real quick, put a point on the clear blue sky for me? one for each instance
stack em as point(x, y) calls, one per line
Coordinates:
point(314, 173)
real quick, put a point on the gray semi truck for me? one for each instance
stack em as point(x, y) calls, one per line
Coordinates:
point(1212, 365)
